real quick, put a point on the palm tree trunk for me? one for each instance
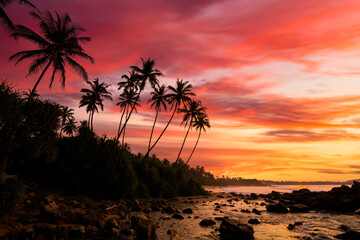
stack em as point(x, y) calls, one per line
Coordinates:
point(194, 148)
point(89, 119)
point(123, 136)
point(152, 130)
point(118, 134)
point(92, 121)
point(41, 76)
point(132, 109)
point(182, 146)
point(147, 154)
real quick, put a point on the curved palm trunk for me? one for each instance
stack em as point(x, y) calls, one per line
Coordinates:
point(123, 136)
point(92, 121)
point(182, 146)
point(118, 134)
point(152, 130)
point(41, 76)
point(89, 122)
point(147, 154)
point(194, 148)
point(132, 109)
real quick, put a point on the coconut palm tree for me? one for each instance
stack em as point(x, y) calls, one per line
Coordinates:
point(131, 81)
point(58, 44)
point(158, 101)
point(126, 101)
point(145, 74)
point(94, 97)
point(180, 95)
point(191, 111)
point(70, 127)
point(200, 124)
point(4, 19)
point(66, 115)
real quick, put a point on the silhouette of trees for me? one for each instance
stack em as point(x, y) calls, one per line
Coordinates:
point(191, 111)
point(58, 44)
point(70, 127)
point(67, 114)
point(4, 19)
point(94, 97)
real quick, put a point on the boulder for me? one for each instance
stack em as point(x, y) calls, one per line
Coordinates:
point(169, 210)
point(277, 207)
point(177, 216)
point(291, 226)
point(187, 210)
point(207, 222)
point(302, 208)
point(144, 228)
point(349, 235)
point(253, 221)
point(258, 212)
point(231, 229)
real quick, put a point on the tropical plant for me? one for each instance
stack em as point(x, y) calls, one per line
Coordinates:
point(67, 114)
point(180, 95)
point(191, 111)
point(200, 124)
point(145, 74)
point(70, 127)
point(158, 101)
point(4, 19)
point(58, 44)
point(93, 98)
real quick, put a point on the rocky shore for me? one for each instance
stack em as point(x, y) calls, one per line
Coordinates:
point(46, 214)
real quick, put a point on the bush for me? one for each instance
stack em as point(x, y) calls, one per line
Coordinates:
point(11, 196)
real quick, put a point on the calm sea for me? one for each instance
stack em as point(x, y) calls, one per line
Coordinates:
point(269, 189)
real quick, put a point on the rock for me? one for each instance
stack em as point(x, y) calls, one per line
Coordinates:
point(355, 187)
point(253, 221)
point(262, 204)
point(196, 217)
point(144, 228)
point(278, 208)
point(231, 229)
point(112, 223)
point(177, 216)
point(51, 212)
point(302, 208)
point(127, 231)
point(171, 231)
point(92, 230)
point(218, 218)
point(344, 227)
point(298, 223)
point(3, 233)
point(291, 226)
point(188, 210)
point(256, 211)
point(169, 210)
point(349, 235)
point(72, 230)
point(357, 212)
point(245, 211)
point(207, 222)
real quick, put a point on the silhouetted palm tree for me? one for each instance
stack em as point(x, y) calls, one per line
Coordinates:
point(126, 101)
point(131, 81)
point(145, 74)
point(94, 97)
point(180, 96)
point(158, 100)
point(57, 46)
point(5, 20)
point(191, 111)
point(66, 116)
point(70, 127)
point(200, 124)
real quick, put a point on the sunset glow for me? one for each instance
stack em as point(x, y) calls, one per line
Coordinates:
point(280, 79)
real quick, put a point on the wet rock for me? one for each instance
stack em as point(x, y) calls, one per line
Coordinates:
point(92, 230)
point(196, 217)
point(291, 226)
point(231, 229)
point(344, 227)
point(144, 228)
point(187, 210)
point(253, 221)
point(169, 210)
point(256, 211)
point(218, 218)
point(127, 231)
point(278, 208)
point(298, 223)
point(207, 222)
point(72, 230)
point(171, 231)
point(245, 211)
point(302, 208)
point(349, 235)
point(262, 204)
point(177, 216)
point(357, 212)
point(155, 208)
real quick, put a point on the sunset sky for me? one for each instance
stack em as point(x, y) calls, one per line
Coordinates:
point(280, 78)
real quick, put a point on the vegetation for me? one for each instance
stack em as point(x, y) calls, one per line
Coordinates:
point(4, 19)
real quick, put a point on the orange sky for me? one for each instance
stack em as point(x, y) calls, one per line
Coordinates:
point(280, 78)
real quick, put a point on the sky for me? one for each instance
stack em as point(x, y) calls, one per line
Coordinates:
point(280, 79)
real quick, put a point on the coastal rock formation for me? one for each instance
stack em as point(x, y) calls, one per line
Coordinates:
point(231, 229)
point(207, 222)
point(277, 207)
point(144, 228)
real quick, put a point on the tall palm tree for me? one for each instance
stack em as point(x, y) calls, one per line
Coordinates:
point(70, 127)
point(58, 44)
point(191, 111)
point(94, 97)
point(4, 19)
point(145, 74)
point(130, 82)
point(66, 115)
point(126, 100)
point(180, 95)
point(158, 100)
point(200, 123)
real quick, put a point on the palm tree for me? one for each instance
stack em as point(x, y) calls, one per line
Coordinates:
point(145, 74)
point(70, 127)
point(180, 96)
point(191, 111)
point(66, 115)
point(200, 123)
point(158, 100)
point(57, 46)
point(94, 97)
point(131, 81)
point(126, 100)
point(5, 20)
